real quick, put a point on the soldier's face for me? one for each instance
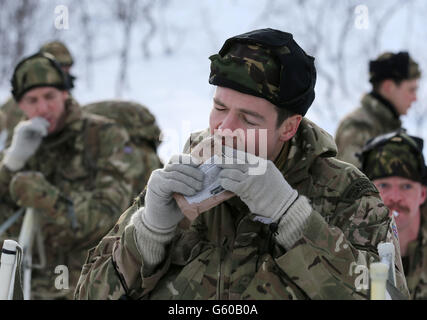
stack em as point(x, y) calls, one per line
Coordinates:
point(403, 95)
point(403, 196)
point(46, 102)
point(233, 110)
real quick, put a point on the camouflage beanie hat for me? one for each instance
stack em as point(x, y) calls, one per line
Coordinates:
point(59, 51)
point(266, 63)
point(39, 70)
point(399, 66)
point(394, 155)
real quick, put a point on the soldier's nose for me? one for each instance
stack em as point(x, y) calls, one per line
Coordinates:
point(229, 123)
point(42, 108)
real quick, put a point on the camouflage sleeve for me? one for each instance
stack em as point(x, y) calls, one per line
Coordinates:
point(350, 139)
point(5, 177)
point(332, 259)
point(114, 269)
point(99, 278)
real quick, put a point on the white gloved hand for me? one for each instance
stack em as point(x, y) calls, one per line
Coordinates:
point(161, 213)
point(26, 139)
point(268, 195)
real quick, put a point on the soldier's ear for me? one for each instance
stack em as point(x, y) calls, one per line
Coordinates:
point(289, 127)
point(387, 87)
point(423, 193)
point(65, 95)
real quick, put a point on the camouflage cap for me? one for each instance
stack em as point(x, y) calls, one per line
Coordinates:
point(266, 63)
point(394, 154)
point(39, 70)
point(59, 51)
point(396, 66)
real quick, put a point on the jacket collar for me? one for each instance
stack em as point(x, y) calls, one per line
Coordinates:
point(381, 109)
point(298, 155)
point(386, 103)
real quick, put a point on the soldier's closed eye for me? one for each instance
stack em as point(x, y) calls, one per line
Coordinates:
point(219, 108)
point(245, 119)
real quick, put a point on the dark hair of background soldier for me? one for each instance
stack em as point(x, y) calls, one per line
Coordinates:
point(377, 84)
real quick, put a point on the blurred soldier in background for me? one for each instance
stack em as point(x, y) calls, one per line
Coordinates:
point(143, 132)
point(395, 163)
point(70, 166)
point(9, 109)
point(394, 79)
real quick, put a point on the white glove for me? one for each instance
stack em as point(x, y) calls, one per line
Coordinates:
point(162, 213)
point(26, 139)
point(268, 195)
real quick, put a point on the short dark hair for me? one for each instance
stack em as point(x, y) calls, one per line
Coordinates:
point(282, 115)
point(377, 84)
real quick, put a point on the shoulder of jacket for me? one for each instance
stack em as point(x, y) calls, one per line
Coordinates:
point(343, 178)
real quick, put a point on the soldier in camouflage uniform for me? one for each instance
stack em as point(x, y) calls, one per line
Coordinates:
point(71, 167)
point(9, 109)
point(395, 164)
point(300, 230)
point(144, 136)
point(394, 79)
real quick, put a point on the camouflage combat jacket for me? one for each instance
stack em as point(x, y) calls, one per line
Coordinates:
point(87, 162)
point(416, 270)
point(372, 119)
point(226, 255)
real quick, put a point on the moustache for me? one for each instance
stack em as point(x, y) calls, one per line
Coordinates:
point(398, 207)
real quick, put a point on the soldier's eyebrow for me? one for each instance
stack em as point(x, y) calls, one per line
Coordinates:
point(29, 99)
point(245, 111)
point(216, 101)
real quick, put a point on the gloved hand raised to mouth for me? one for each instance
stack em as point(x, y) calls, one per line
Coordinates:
point(26, 139)
point(269, 196)
point(161, 213)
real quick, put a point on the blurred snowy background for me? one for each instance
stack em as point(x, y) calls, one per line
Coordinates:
point(155, 52)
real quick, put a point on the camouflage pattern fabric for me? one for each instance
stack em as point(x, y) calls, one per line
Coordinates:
point(144, 136)
point(59, 51)
point(78, 178)
point(226, 255)
point(394, 158)
point(38, 71)
point(416, 273)
point(266, 63)
point(251, 66)
point(31, 190)
point(371, 119)
point(12, 116)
